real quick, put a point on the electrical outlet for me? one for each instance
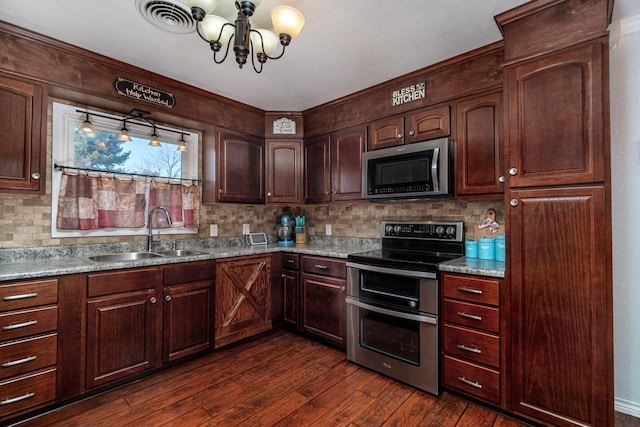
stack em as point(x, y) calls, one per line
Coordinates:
point(327, 229)
point(245, 229)
point(213, 230)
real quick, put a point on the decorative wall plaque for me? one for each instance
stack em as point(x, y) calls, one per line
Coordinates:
point(145, 93)
point(284, 126)
point(408, 94)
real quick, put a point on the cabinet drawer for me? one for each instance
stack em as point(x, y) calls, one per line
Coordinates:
point(19, 357)
point(472, 379)
point(476, 316)
point(18, 324)
point(324, 266)
point(473, 289)
point(123, 281)
point(473, 345)
point(189, 272)
point(24, 392)
point(290, 261)
point(28, 294)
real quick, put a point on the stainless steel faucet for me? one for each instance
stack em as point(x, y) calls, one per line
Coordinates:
point(150, 225)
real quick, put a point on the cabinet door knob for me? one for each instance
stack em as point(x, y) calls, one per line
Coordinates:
point(400, 135)
point(221, 191)
point(342, 288)
point(513, 202)
point(167, 298)
point(282, 275)
point(513, 171)
point(35, 176)
point(269, 194)
point(153, 300)
point(335, 191)
point(412, 132)
point(328, 192)
point(501, 179)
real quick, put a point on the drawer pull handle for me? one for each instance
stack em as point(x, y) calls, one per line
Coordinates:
point(471, 383)
point(470, 291)
point(20, 325)
point(19, 361)
point(290, 261)
point(469, 349)
point(17, 297)
point(469, 316)
point(17, 399)
point(321, 267)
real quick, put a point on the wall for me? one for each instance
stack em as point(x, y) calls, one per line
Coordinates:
point(625, 178)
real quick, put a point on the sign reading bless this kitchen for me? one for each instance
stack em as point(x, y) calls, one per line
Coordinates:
point(408, 94)
point(144, 93)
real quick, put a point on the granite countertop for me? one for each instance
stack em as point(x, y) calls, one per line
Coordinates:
point(46, 262)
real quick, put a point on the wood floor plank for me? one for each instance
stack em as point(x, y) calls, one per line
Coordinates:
point(278, 379)
point(412, 411)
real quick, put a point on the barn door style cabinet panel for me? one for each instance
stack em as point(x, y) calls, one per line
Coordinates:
point(558, 184)
point(242, 298)
point(23, 113)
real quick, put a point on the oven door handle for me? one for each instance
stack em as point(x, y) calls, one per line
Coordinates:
point(392, 313)
point(394, 271)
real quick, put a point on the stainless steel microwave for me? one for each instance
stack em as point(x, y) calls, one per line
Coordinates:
point(423, 169)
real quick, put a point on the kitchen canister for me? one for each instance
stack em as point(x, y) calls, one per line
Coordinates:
point(501, 247)
point(486, 248)
point(471, 249)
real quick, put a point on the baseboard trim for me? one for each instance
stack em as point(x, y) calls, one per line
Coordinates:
point(628, 407)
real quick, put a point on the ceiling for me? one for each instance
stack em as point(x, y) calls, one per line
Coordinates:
point(345, 46)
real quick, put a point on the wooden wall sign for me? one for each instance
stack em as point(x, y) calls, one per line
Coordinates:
point(408, 94)
point(284, 126)
point(145, 93)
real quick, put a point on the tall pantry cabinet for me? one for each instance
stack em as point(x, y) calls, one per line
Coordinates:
point(558, 201)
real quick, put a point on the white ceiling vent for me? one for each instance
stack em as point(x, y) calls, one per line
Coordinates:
point(169, 15)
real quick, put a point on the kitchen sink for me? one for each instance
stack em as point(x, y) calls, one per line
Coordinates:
point(178, 253)
point(123, 256)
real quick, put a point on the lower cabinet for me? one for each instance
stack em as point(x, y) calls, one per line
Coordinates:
point(473, 338)
point(124, 324)
point(243, 298)
point(187, 316)
point(323, 298)
point(290, 278)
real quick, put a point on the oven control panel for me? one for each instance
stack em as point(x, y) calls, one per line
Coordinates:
point(447, 231)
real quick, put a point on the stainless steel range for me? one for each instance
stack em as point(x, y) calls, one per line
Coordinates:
point(392, 301)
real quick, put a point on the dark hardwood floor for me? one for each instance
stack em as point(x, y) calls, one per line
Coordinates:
point(280, 379)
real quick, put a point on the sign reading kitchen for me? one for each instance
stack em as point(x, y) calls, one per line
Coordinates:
point(408, 94)
point(145, 93)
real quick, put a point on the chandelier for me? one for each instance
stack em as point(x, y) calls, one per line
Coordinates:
point(262, 43)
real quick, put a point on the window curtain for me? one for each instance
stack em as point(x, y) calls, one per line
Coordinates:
point(91, 202)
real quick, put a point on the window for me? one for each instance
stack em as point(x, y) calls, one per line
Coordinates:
point(103, 151)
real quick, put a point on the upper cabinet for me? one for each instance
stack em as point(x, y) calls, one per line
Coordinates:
point(421, 125)
point(479, 145)
point(333, 165)
point(555, 118)
point(23, 112)
point(239, 168)
point(284, 171)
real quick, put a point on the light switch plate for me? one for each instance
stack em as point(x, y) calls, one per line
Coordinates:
point(245, 229)
point(327, 229)
point(213, 230)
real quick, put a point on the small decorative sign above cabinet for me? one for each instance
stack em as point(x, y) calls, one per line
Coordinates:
point(408, 94)
point(284, 126)
point(145, 93)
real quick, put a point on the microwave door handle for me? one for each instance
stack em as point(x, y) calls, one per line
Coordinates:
point(434, 169)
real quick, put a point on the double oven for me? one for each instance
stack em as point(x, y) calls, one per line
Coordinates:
point(393, 301)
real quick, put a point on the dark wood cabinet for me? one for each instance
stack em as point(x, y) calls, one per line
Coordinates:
point(479, 146)
point(561, 346)
point(333, 165)
point(23, 111)
point(242, 298)
point(124, 324)
point(284, 167)
point(240, 168)
point(188, 297)
point(556, 118)
point(323, 298)
point(420, 125)
point(291, 289)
